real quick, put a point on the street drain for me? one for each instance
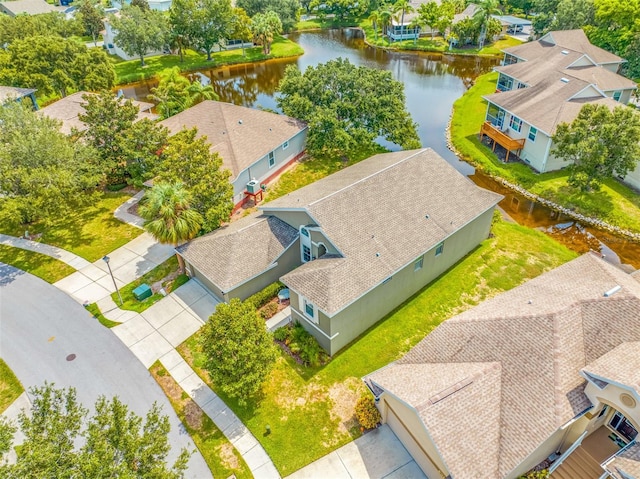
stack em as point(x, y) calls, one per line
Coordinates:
point(71, 357)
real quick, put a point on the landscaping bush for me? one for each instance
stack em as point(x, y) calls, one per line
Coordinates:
point(301, 344)
point(269, 310)
point(261, 298)
point(116, 187)
point(367, 413)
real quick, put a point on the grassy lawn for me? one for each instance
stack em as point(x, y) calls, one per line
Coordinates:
point(94, 310)
point(220, 455)
point(130, 70)
point(310, 411)
point(40, 265)
point(614, 203)
point(319, 24)
point(168, 270)
point(90, 231)
point(435, 44)
point(10, 387)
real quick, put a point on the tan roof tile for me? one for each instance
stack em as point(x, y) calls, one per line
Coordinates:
point(28, 7)
point(628, 462)
point(14, 93)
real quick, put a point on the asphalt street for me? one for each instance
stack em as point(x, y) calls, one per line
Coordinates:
point(47, 336)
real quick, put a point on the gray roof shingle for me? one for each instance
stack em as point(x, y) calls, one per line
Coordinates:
point(13, 93)
point(541, 334)
point(28, 7)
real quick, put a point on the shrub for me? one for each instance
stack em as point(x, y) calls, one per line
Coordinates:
point(269, 310)
point(301, 344)
point(116, 187)
point(281, 334)
point(367, 413)
point(261, 298)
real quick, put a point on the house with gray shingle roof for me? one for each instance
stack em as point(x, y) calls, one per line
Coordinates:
point(545, 83)
point(11, 93)
point(353, 246)
point(255, 145)
point(28, 7)
point(549, 371)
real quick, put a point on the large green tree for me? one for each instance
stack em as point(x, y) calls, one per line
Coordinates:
point(168, 215)
point(429, 14)
point(600, 143)
point(241, 27)
point(116, 442)
point(91, 16)
point(139, 31)
point(212, 24)
point(347, 107)
point(483, 17)
point(265, 27)
point(48, 24)
point(239, 350)
point(176, 93)
point(43, 173)
point(189, 159)
point(573, 14)
point(288, 10)
point(181, 24)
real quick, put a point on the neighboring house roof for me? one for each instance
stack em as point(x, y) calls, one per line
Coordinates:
point(621, 365)
point(381, 214)
point(29, 7)
point(67, 109)
point(239, 251)
point(13, 93)
point(549, 102)
point(627, 462)
point(518, 355)
point(239, 134)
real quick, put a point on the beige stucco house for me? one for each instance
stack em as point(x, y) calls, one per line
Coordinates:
point(545, 83)
point(352, 246)
point(255, 145)
point(547, 371)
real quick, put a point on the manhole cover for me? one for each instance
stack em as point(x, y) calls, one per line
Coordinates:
point(71, 357)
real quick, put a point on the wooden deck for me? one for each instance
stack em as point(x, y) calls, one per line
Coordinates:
point(501, 138)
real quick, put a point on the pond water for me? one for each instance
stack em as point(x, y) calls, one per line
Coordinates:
point(432, 83)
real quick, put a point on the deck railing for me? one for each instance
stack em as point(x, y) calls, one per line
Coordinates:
point(566, 454)
point(511, 144)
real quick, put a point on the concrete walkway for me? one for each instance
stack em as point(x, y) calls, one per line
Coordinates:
point(11, 413)
point(75, 261)
point(379, 454)
point(123, 215)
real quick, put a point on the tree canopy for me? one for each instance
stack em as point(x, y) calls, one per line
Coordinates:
point(601, 144)
point(47, 24)
point(347, 107)
point(175, 93)
point(114, 442)
point(239, 350)
point(43, 173)
point(265, 27)
point(288, 10)
point(189, 159)
point(140, 31)
point(91, 16)
point(211, 24)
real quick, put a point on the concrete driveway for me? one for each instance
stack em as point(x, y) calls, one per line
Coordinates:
point(41, 327)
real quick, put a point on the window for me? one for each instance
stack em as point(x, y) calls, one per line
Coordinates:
point(272, 160)
point(622, 426)
point(515, 123)
point(617, 95)
point(285, 145)
point(439, 249)
point(417, 266)
point(505, 83)
point(603, 411)
point(304, 231)
point(306, 253)
point(532, 133)
point(495, 115)
point(310, 311)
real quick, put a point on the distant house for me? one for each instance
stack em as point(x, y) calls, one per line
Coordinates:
point(110, 45)
point(549, 371)
point(254, 145)
point(10, 93)
point(28, 7)
point(545, 83)
point(67, 109)
point(352, 246)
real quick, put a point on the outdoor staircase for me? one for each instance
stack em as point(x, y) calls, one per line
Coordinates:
point(579, 465)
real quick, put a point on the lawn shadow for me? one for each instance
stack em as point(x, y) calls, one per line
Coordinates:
point(8, 274)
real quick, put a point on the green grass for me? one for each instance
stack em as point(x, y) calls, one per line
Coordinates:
point(130, 70)
point(614, 203)
point(156, 274)
point(325, 23)
point(310, 411)
point(90, 231)
point(10, 387)
point(38, 264)
point(94, 310)
point(219, 454)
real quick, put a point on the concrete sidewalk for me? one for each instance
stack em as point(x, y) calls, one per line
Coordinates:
point(93, 282)
point(123, 214)
point(379, 454)
point(75, 261)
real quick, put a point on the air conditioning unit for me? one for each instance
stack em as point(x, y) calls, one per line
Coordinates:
point(253, 186)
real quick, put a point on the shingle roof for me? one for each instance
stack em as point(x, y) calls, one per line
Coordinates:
point(628, 462)
point(67, 109)
point(621, 364)
point(375, 212)
point(240, 135)
point(237, 252)
point(542, 334)
point(29, 7)
point(14, 93)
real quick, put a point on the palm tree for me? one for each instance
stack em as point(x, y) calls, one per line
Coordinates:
point(374, 17)
point(403, 6)
point(415, 25)
point(199, 92)
point(385, 18)
point(482, 16)
point(168, 215)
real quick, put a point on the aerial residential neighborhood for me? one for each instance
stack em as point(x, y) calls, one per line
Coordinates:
point(305, 239)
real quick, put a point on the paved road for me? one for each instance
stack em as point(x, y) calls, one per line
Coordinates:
point(40, 326)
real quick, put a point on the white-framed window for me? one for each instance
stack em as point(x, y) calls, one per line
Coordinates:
point(309, 310)
point(533, 132)
point(304, 231)
point(617, 95)
point(439, 249)
point(417, 266)
point(272, 159)
point(306, 253)
point(285, 145)
point(515, 123)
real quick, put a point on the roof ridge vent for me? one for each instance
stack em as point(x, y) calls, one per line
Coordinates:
point(565, 52)
point(451, 390)
point(612, 291)
point(564, 80)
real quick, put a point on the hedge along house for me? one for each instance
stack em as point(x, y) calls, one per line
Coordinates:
point(254, 145)
point(352, 246)
point(547, 371)
point(545, 83)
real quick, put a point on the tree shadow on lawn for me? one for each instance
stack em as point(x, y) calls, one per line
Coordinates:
point(591, 203)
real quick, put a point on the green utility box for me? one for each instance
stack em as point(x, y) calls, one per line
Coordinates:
point(142, 292)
